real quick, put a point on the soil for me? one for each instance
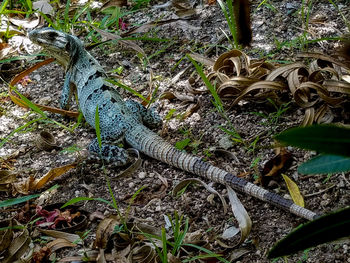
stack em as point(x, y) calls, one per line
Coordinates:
point(270, 27)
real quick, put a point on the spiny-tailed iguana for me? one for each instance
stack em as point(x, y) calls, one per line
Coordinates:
point(127, 120)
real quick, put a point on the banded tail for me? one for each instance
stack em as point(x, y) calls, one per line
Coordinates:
point(146, 141)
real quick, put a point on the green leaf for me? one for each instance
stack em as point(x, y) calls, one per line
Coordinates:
point(15, 201)
point(324, 229)
point(328, 139)
point(79, 199)
point(324, 164)
point(19, 200)
point(3, 6)
point(180, 145)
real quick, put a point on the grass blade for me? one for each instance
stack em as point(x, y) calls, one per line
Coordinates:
point(218, 104)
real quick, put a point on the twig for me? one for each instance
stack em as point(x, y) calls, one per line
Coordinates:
point(320, 192)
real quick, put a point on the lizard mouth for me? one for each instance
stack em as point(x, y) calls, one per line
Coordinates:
point(53, 42)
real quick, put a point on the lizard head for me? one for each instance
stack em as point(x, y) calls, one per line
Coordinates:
point(60, 45)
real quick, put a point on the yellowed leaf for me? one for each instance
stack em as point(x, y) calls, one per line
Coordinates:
point(52, 174)
point(294, 191)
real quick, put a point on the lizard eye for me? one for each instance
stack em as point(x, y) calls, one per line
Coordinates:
point(52, 35)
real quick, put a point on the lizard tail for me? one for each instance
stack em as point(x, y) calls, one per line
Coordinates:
point(149, 143)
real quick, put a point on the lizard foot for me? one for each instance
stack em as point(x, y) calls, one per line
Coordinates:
point(109, 153)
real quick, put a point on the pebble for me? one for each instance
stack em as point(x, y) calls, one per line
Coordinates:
point(45, 100)
point(131, 184)
point(142, 175)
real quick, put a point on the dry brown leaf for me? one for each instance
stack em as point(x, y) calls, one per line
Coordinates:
point(284, 71)
point(265, 85)
point(7, 177)
point(278, 164)
point(237, 77)
point(202, 59)
point(133, 167)
point(191, 109)
point(104, 230)
point(324, 115)
point(309, 117)
point(296, 77)
point(62, 235)
point(234, 58)
point(6, 235)
point(322, 57)
point(60, 243)
point(18, 247)
point(241, 215)
point(142, 254)
point(21, 103)
point(52, 174)
point(24, 186)
point(337, 86)
point(26, 23)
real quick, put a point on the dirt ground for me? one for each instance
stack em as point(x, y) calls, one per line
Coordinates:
point(270, 224)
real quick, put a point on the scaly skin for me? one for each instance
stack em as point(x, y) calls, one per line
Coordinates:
point(127, 120)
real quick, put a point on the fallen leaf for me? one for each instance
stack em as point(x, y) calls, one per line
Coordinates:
point(294, 191)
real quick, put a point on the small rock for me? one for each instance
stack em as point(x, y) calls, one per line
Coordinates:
point(131, 184)
point(142, 175)
point(225, 142)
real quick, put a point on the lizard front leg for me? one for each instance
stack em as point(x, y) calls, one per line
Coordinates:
point(66, 91)
point(109, 153)
point(149, 116)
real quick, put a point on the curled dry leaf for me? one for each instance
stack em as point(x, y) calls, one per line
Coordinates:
point(126, 43)
point(309, 117)
point(142, 254)
point(185, 100)
point(18, 245)
point(46, 141)
point(6, 179)
point(133, 167)
point(104, 231)
point(60, 243)
point(6, 235)
point(237, 78)
point(62, 235)
point(29, 23)
point(241, 215)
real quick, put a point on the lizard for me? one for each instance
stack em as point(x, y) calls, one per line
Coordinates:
point(130, 121)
